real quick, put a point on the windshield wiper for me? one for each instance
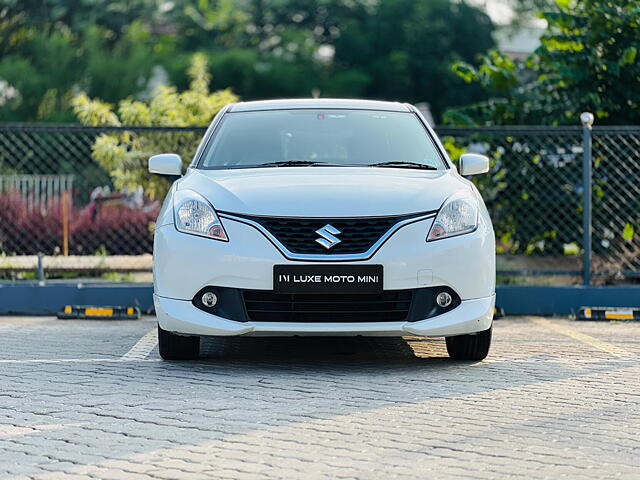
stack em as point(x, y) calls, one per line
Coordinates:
point(291, 163)
point(400, 164)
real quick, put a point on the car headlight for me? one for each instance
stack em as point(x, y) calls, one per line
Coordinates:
point(194, 214)
point(458, 215)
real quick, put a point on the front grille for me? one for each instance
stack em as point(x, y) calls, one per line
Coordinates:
point(357, 235)
point(388, 306)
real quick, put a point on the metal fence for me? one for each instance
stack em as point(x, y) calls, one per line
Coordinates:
point(534, 192)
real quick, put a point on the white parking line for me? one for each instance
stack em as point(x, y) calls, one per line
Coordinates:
point(584, 338)
point(143, 347)
point(137, 353)
point(81, 360)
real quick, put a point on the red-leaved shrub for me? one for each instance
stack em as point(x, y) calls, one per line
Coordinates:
point(112, 229)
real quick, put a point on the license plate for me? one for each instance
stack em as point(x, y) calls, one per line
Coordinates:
point(327, 279)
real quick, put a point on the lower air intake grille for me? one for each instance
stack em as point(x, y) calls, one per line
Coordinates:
point(266, 306)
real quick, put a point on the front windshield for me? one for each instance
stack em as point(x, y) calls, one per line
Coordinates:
point(319, 137)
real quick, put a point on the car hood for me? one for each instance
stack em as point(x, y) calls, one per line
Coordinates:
point(324, 191)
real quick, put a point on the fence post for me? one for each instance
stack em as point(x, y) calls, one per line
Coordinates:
point(40, 267)
point(65, 223)
point(587, 122)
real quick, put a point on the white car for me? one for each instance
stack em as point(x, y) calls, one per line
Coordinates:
point(323, 217)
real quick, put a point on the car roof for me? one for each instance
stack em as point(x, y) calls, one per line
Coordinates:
point(325, 103)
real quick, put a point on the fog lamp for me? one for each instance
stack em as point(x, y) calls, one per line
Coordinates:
point(209, 299)
point(443, 299)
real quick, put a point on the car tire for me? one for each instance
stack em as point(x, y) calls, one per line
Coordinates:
point(177, 347)
point(469, 347)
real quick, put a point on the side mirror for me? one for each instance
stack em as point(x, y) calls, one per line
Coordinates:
point(166, 164)
point(473, 164)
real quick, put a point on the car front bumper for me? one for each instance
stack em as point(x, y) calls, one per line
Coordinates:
point(185, 264)
point(181, 316)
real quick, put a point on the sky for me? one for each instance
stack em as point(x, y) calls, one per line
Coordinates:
point(500, 11)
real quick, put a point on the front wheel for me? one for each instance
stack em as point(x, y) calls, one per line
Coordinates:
point(474, 346)
point(177, 347)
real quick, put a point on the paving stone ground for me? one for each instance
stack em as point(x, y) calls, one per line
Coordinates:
point(90, 399)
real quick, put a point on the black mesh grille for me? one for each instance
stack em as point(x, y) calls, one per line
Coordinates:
point(266, 306)
point(357, 235)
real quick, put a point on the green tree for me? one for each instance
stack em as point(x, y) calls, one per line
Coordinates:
point(39, 74)
point(390, 49)
point(51, 48)
point(72, 16)
point(588, 60)
point(45, 68)
point(404, 49)
point(124, 154)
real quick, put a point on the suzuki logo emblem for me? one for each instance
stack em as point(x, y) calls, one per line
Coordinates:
point(328, 234)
